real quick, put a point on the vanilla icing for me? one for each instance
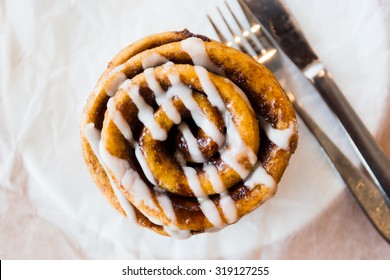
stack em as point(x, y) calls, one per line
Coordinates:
point(192, 143)
point(153, 60)
point(260, 176)
point(144, 165)
point(145, 112)
point(280, 137)
point(117, 78)
point(207, 206)
point(93, 137)
point(120, 122)
point(186, 96)
point(196, 49)
point(228, 206)
point(214, 177)
point(170, 110)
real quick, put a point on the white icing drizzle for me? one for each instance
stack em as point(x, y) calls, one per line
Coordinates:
point(138, 190)
point(92, 134)
point(153, 60)
point(214, 178)
point(93, 137)
point(166, 205)
point(116, 165)
point(153, 220)
point(207, 206)
point(280, 137)
point(154, 85)
point(170, 110)
point(177, 233)
point(124, 202)
point(120, 122)
point(144, 165)
point(228, 207)
point(185, 94)
point(236, 148)
point(193, 181)
point(161, 97)
point(117, 78)
point(97, 89)
point(128, 178)
point(192, 143)
point(145, 112)
point(210, 210)
point(196, 49)
point(108, 82)
point(209, 88)
point(168, 65)
point(260, 176)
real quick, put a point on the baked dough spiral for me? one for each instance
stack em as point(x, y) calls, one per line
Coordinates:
point(185, 135)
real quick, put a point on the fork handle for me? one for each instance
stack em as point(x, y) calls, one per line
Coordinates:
point(372, 155)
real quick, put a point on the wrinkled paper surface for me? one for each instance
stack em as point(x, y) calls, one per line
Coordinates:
point(51, 55)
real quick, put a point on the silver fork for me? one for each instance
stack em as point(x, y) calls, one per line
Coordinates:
point(256, 42)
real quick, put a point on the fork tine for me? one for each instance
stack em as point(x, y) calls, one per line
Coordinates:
point(256, 46)
point(236, 38)
point(226, 23)
point(249, 16)
point(254, 41)
point(219, 34)
point(243, 30)
point(256, 28)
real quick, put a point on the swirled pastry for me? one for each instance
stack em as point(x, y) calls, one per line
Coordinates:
point(185, 135)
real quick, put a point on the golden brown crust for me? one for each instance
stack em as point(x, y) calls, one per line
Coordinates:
point(265, 95)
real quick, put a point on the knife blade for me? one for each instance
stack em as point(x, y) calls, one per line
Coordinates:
point(283, 27)
point(363, 189)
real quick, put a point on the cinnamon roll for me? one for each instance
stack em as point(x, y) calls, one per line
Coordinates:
point(185, 135)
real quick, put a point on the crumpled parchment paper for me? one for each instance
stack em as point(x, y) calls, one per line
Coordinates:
point(51, 55)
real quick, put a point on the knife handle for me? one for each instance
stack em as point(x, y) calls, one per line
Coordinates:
point(373, 157)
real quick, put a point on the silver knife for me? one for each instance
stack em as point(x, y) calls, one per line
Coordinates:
point(365, 191)
point(280, 23)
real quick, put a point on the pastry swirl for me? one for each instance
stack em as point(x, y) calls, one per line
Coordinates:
point(185, 135)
